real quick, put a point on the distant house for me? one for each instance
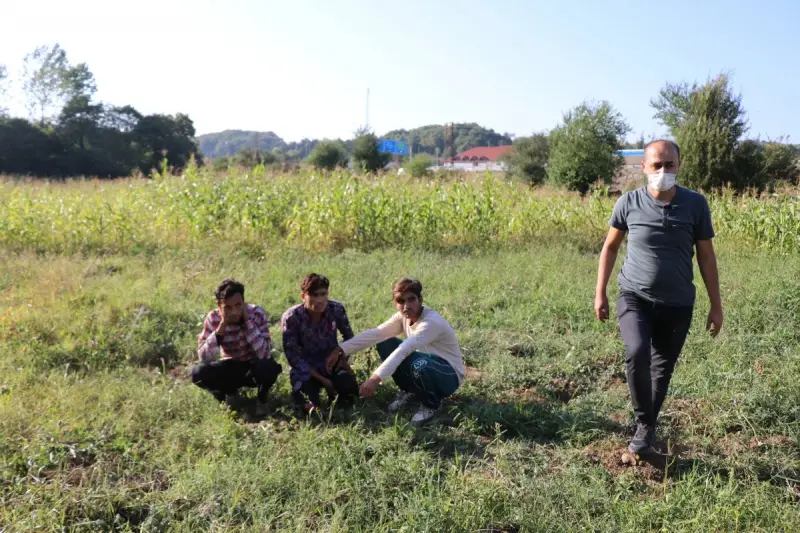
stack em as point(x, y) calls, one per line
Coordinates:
point(480, 159)
point(633, 158)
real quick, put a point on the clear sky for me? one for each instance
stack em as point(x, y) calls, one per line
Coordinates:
point(301, 68)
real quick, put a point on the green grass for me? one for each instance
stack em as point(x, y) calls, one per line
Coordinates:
point(100, 429)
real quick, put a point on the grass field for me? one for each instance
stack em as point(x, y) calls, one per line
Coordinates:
point(101, 431)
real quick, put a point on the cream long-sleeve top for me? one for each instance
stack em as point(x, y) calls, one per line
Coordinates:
point(429, 334)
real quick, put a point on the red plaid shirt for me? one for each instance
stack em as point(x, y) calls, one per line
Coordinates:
point(238, 341)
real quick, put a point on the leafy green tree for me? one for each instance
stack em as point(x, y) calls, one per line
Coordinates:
point(419, 165)
point(762, 164)
point(708, 122)
point(582, 147)
point(164, 136)
point(44, 72)
point(366, 154)
point(28, 150)
point(3, 90)
point(328, 155)
point(780, 163)
point(248, 157)
point(528, 159)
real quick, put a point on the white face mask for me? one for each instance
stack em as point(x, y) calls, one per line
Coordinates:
point(661, 181)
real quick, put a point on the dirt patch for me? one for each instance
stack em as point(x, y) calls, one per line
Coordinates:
point(78, 476)
point(623, 420)
point(522, 350)
point(528, 395)
point(686, 412)
point(504, 528)
point(179, 373)
point(769, 441)
point(730, 445)
point(614, 457)
point(472, 373)
point(562, 389)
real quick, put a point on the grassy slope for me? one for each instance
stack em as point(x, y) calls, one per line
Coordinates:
point(93, 436)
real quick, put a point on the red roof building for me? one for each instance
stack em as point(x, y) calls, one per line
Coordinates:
point(482, 153)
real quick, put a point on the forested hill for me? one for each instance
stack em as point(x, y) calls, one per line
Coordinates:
point(429, 139)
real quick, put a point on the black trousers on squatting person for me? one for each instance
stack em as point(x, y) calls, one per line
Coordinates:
point(653, 335)
point(343, 381)
point(227, 376)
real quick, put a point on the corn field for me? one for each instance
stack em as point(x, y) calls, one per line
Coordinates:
point(334, 211)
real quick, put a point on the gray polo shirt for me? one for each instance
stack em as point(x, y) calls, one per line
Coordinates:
point(661, 240)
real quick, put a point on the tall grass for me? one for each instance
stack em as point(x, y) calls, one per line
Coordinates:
point(332, 211)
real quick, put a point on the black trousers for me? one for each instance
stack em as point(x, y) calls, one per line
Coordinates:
point(653, 335)
point(343, 381)
point(228, 375)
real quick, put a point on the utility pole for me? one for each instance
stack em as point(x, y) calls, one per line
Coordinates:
point(366, 122)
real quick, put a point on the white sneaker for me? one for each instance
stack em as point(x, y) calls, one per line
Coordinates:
point(400, 400)
point(423, 415)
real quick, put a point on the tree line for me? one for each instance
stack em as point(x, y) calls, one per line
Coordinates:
point(68, 133)
point(707, 121)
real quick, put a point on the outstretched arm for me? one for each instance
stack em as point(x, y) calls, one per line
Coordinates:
point(707, 261)
point(608, 257)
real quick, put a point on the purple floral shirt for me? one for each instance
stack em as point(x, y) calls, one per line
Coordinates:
point(308, 345)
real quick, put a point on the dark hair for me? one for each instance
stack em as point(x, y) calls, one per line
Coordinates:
point(314, 282)
point(673, 143)
point(228, 288)
point(407, 285)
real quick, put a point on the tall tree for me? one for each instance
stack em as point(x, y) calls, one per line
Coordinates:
point(44, 71)
point(708, 122)
point(328, 155)
point(3, 90)
point(528, 159)
point(164, 136)
point(582, 148)
point(365, 152)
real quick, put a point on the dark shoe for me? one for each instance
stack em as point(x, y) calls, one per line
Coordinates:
point(262, 409)
point(233, 401)
point(643, 439)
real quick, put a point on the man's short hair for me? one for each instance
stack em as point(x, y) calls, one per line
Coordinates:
point(404, 285)
point(228, 288)
point(673, 143)
point(314, 282)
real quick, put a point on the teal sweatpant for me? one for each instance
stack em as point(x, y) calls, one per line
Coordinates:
point(427, 376)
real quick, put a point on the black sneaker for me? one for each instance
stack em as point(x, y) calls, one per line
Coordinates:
point(643, 439)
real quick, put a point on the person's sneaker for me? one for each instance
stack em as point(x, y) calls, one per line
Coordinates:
point(643, 439)
point(233, 401)
point(423, 415)
point(399, 401)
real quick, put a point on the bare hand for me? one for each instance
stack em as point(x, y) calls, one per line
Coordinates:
point(714, 322)
point(601, 307)
point(244, 314)
point(369, 387)
point(333, 359)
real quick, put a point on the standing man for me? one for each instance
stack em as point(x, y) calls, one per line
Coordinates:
point(665, 224)
point(427, 365)
point(309, 334)
point(239, 333)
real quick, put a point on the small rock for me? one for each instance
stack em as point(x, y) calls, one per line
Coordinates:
point(629, 459)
